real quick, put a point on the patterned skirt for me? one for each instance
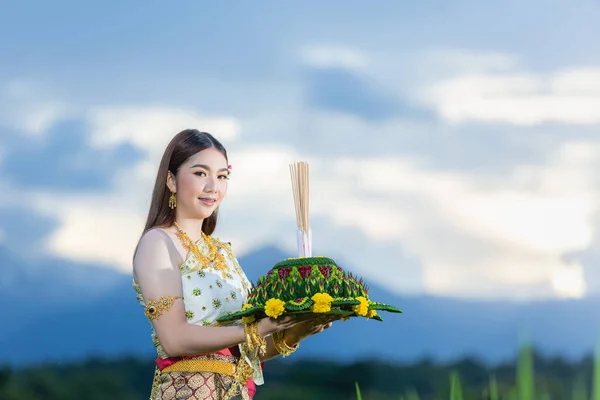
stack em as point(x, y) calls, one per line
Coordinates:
point(208, 377)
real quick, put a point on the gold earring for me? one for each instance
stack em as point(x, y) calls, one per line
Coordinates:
point(172, 201)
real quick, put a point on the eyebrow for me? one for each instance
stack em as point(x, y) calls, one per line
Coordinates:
point(206, 167)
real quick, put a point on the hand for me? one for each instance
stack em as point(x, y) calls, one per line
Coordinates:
point(269, 325)
point(303, 329)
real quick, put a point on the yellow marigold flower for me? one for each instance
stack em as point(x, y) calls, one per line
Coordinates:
point(274, 308)
point(246, 306)
point(363, 308)
point(372, 313)
point(322, 303)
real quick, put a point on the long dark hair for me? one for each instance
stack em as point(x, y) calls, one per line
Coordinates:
point(184, 145)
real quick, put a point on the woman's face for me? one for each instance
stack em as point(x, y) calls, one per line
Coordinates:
point(201, 184)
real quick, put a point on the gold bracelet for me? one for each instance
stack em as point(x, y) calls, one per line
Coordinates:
point(253, 339)
point(281, 346)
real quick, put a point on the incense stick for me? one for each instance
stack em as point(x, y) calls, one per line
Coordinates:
point(301, 191)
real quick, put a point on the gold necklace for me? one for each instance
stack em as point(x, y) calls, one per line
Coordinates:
point(214, 256)
point(236, 265)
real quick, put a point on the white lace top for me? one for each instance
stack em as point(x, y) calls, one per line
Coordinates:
point(208, 293)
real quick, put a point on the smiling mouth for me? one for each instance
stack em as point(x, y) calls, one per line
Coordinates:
point(207, 201)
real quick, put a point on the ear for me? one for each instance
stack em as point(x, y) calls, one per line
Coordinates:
point(171, 182)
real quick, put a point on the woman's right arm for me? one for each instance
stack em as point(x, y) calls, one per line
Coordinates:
point(157, 273)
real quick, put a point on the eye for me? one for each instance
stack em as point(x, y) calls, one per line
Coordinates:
point(224, 176)
point(200, 173)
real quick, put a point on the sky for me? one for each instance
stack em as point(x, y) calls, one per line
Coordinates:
point(453, 146)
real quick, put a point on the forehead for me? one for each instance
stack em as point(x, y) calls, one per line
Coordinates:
point(210, 157)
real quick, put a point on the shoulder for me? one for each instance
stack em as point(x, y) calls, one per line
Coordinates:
point(155, 244)
point(155, 238)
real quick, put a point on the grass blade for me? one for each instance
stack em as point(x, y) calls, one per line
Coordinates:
point(358, 395)
point(525, 374)
point(493, 388)
point(596, 379)
point(455, 387)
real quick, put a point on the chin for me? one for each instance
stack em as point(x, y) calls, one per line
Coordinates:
point(203, 214)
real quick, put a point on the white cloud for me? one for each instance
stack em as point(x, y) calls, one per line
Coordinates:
point(571, 96)
point(463, 61)
point(578, 81)
point(30, 107)
point(472, 234)
point(569, 281)
point(151, 128)
point(333, 56)
point(92, 232)
point(105, 228)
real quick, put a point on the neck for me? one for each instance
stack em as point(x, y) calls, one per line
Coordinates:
point(191, 226)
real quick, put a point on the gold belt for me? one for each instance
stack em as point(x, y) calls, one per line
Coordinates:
point(202, 365)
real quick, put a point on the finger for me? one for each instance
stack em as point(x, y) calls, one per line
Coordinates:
point(306, 317)
point(330, 318)
point(293, 323)
point(286, 320)
point(321, 328)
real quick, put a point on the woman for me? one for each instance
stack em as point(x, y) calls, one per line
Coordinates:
point(186, 280)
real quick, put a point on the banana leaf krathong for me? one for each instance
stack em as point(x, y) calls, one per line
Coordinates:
point(309, 285)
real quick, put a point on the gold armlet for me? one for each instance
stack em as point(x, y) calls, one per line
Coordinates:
point(155, 308)
point(253, 339)
point(281, 346)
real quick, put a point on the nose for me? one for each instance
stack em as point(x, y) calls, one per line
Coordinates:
point(211, 185)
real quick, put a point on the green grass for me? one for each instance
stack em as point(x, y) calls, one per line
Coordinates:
point(525, 388)
point(358, 395)
point(455, 387)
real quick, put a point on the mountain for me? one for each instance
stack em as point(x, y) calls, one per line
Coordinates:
point(57, 310)
point(34, 290)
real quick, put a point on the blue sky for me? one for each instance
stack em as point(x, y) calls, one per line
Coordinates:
point(455, 145)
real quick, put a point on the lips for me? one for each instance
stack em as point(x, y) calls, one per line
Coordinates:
point(207, 200)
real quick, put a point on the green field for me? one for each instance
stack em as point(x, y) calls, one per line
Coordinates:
point(530, 376)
